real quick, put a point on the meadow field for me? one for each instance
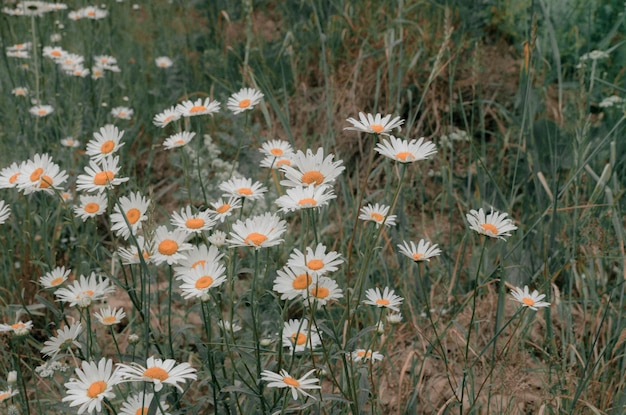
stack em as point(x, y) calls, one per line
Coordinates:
point(312, 207)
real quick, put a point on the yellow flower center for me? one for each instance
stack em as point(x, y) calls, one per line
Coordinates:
point(92, 207)
point(96, 388)
point(204, 282)
point(313, 177)
point(382, 301)
point(244, 191)
point(107, 146)
point(133, 215)
point(301, 282)
point(405, 156)
point(315, 264)
point(276, 152)
point(244, 103)
point(45, 182)
point(255, 238)
point(197, 108)
point(307, 201)
point(109, 319)
point(377, 216)
point(377, 128)
point(489, 228)
point(168, 247)
point(528, 301)
point(417, 256)
point(289, 381)
point(194, 223)
point(17, 326)
point(199, 263)
point(156, 373)
point(298, 339)
point(36, 174)
point(56, 281)
point(13, 178)
point(223, 209)
point(320, 292)
point(103, 177)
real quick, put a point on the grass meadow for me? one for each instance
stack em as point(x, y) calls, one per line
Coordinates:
point(312, 207)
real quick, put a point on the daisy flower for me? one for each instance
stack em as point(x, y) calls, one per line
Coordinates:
point(85, 290)
point(163, 62)
point(99, 177)
point(298, 336)
point(41, 110)
point(5, 212)
point(21, 46)
point(309, 168)
point(375, 124)
point(128, 214)
point(139, 403)
point(92, 13)
point(91, 206)
point(21, 54)
point(322, 292)
point(229, 327)
point(385, 299)
point(9, 393)
point(9, 175)
point(70, 142)
point(18, 329)
point(178, 140)
point(276, 148)
point(394, 318)
point(130, 255)
point(40, 174)
point(198, 281)
point(494, 225)
point(293, 282)
point(362, 355)
point(169, 246)
point(197, 257)
point(405, 151)
point(243, 188)
point(317, 262)
point(65, 339)
point(94, 384)
point(244, 100)
point(300, 197)
point(159, 372)
point(167, 116)
point(422, 252)
point(55, 53)
point(198, 107)
point(123, 113)
point(223, 209)
point(109, 316)
point(527, 299)
point(54, 278)
point(378, 214)
point(104, 143)
point(97, 72)
point(71, 61)
point(271, 162)
point(260, 231)
point(284, 380)
point(20, 91)
point(105, 60)
point(218, 238)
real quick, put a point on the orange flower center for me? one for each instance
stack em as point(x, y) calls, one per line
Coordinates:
point(197, 108)
point(244, 191)
point(363, 353)
point(103, 177)
point(17, 326)
point(405, 156)
point(199, 263)
point(283, 162)
point(133, 215)
point(13, 178)
point(56, 53)
point(156, 373)
point(377, 216)
point(276, 152)
point(42, 112)
point(298, 339)
point(301, 282)
point(107, 146)
point(91, 13)
point(313, 177)
point(204, 282)
point(255, 238)
point(168, 119)
point(92, 207)
point(320, 292)
point(142, 411)
point(88, 293)
point(307, 201)
point(289, 381)
point(3, 396)
point(417, 256)
point(179, 142)
point(45, 182)
point(223, 209)
point(489, 228)
point(315, 264)
point(194, 223)
point(36, 174)
point(382, 301)
point(244, 103)
point(377, 128)
point(168, 247)
point(109, 319)
point(96, 388)
point(56, 281)
point(528, 301)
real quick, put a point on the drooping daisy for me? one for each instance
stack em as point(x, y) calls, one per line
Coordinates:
point(130, 255)
point(70, 142)
point(10, 174)
point(9, 393)
point(18, 329)
point(375, 124)
point(41, 110)
point(528, 299)
point(99, 177)
point(198, 256)
point(386, 299)
point(422, 252)
point(244, 100)
point(377, 213)
point(298, 336)
point(317, 262)
point(167, 116)
point(260, 231)
point(362, 355)
point(123, 113)
point(54, 278)
point(243, 188)
point(405, 151)
point(104, 143)
point(285, 380)
point(139, 404)
point(309, 197)
point(169, 246)
point(91, 206)
point(109, 316)
point(65, 339)
point(94, 384)
point(308, 168)
point(158, 372)
point(85, 290)
point(276, 148)
point(20, 91)
point(198, 107)
point(163, 62)
point(493, 225)
point(223, 209)
point(40, 174)
point(178, 140)
point(197, 282)
point(128, 214)
point(5, 212)
point(293, 282)
point(322, 291)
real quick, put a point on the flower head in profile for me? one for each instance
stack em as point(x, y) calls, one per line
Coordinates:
point(405, 151)
point(5, 212)
point(94, 383)
point(99, 177)
point(311, 168)
point(386, 299)
point(104, 143)
point(10, 174)
point(18, 329)
point(178, 140)
point(9, 393)
point(308, 197)
point(20, 91)
point(91, 206)
point(167, 116)
point(493, 225)
point(130, 255)
point(69, 142)
point(41, 110)
point(298, 335)
point(169, 246)
point(317, 262)
point(139, 404)
point(163, 62)
point(423, 251)
point(128, 214)
point(243, 188)
point(375, 124)
point(122, 113)
point(275, 163)
point(192, 222)
point(158, 372)
point(244, 100)
point(109, 316)
point(377, 213)
point(527, 299)
point(85, 290)
point(64, 340)
point(285, 380)
point(260, 231)
point(54, 278)
point(362, 355)
point(198, 107)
